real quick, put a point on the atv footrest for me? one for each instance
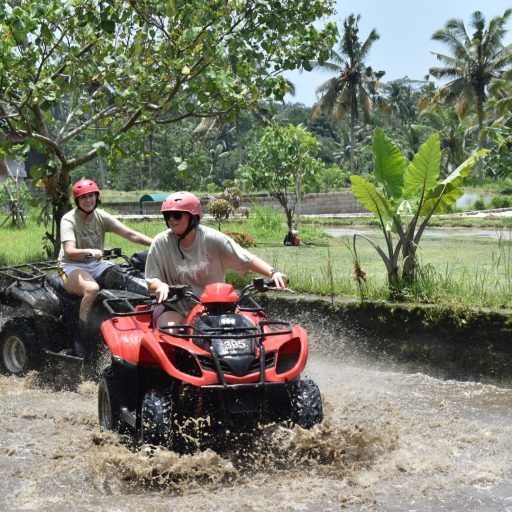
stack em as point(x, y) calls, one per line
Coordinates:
point(67, 355)
point(236, 387)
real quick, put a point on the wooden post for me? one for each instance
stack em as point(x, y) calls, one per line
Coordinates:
point(16, 212)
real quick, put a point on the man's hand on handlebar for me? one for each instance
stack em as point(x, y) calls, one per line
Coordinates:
point(94, 254)
point(280, 281)
point(162, 292)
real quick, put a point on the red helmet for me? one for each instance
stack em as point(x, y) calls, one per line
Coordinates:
point(182, 202)
point(84, 186)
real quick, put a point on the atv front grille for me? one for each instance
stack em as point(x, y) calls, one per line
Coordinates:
point(208, 364)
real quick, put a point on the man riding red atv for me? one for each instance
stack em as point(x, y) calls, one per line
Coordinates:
point(227, 363)
point(201, 353)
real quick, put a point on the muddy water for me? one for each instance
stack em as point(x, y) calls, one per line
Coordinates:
point(391, 440)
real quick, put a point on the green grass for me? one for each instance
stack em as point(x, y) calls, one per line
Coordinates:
point(455, 270)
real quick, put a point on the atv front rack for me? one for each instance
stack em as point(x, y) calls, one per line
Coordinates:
point(214, 335)
point(123, 306)
point(227, 333)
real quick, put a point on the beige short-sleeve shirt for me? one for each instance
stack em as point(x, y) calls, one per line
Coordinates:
point(88, 234)
point(204, 262)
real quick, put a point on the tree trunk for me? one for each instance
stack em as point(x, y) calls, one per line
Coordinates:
point(60, 206)
point(298, 204)
point(352, 143)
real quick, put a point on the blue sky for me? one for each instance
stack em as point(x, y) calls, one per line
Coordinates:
point(405, 28)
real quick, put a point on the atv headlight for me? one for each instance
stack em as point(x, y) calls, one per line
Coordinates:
point(288, 355)
point(185, 362)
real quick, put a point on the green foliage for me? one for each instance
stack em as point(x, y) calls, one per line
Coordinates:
point(403, 199)
point(479, 204)
point(20, 193)
point(477, 58)
point(501, 201)
point(233, 196)
point(241, 238)
point(282, 163)
point(220, 209)
point(266, 218)
point(72, 69)
point(498, 164)
point(330, 179)
point(354, 89)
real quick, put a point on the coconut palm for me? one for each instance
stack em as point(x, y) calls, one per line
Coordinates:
point(352, 90)
point(500, 103)
point(477, 59)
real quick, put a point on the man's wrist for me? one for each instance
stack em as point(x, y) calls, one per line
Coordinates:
point(273, 271)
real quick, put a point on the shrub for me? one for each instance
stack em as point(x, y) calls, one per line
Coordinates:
point(220, 209)
point(241, 238)
point(479, 204)
point(500, 202)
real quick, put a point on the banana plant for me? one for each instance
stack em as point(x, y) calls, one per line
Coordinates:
point(403, 195)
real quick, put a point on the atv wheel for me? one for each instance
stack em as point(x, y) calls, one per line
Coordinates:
point(108, 404)
point(17, 347)
point(306, 404)
point(156, 419)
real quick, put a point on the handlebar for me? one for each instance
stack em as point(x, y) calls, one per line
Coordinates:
point(258, 285)
point(115, 252)
point(125, 307)
point(110, 254)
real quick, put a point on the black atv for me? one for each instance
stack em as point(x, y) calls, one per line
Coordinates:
point(39, 319)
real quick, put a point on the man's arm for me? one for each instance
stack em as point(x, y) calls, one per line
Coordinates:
point(261, 267)
point(134, 236)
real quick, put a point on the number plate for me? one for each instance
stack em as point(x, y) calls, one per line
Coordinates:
point(233, 346)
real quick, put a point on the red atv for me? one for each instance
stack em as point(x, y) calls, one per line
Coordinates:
point(227, 366)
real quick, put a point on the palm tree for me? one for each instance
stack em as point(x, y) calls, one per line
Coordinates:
point(455, 134)
point(476, 61)
point(501, 100)
point(353, 88)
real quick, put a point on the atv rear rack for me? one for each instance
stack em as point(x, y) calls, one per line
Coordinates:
point(28, 271)
point(37, 271)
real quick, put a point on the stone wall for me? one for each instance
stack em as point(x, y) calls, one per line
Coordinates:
point(467, 345)
point(330, 203)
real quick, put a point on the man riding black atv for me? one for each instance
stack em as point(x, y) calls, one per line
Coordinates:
point(40, 318)
point(81, 262)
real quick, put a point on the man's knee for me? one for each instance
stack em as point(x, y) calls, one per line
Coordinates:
point(168, 318)
point(91, 289)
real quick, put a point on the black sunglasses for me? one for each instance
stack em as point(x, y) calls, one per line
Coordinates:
point(173, 215)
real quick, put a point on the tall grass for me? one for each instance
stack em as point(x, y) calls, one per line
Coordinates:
point(269, 225)
point(453, 271)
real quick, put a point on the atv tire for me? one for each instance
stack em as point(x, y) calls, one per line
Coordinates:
point(306, 404)
point(108, 403)
point(156, 419)
point(18, 349)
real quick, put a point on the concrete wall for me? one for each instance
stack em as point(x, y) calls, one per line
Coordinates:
point(312, 204)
